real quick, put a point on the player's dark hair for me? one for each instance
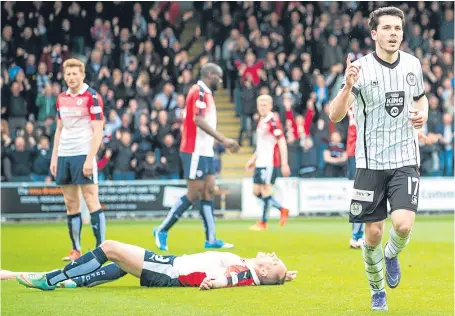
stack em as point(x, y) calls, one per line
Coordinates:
point(373, 21)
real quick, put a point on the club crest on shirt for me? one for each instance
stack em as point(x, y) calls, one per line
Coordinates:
point(411, 79)
point(394, 103)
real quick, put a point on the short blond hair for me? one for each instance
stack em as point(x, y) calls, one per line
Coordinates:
point(73, 62)
point(264, 97)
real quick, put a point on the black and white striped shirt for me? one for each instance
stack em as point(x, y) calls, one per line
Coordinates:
point(384, 95)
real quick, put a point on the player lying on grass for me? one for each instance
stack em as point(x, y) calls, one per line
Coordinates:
point(208, 270)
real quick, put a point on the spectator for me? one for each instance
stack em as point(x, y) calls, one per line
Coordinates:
point(167, 97)
point(446, 28)
point(172, 159)
point(308, 158)
point(150, 168)
point(42, 161)
point(123, 156)
point(335, 157)
point(248, 95)
point(113, 122)
point(250, 67)
point(143, 141)
point(446, 155)
point(30, 135)
point(45, 103)
point(42, 78)
point(17, 107)
point(21, 160)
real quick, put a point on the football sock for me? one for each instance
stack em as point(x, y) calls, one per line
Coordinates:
point(108, 273)
point(86, 264)
point(175, 213)
point(357, 231)
point(74, 229)
point(98, 221)
point(373, 257)
point(208, 218)
point(395, 244)
point(265, 209)
point(273, 202)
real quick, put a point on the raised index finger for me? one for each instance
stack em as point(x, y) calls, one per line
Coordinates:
point(348, 61)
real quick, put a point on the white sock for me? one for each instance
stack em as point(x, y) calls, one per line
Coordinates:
point(373, 257)
point(395, 244)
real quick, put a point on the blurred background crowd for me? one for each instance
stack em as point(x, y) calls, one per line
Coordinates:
point(138, 59)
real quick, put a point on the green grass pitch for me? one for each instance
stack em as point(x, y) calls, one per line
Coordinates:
point(331, 278)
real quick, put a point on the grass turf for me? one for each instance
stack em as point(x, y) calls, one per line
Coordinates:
point(331, 278)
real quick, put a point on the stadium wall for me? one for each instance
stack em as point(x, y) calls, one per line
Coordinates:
point(34, 200)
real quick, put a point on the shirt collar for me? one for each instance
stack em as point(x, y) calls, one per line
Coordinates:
point(254, 275)
point(268, 117)
point(83, 89)
point(204, 86)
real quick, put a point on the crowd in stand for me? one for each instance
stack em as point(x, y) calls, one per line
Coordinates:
point(138, 60)
point(296, 51)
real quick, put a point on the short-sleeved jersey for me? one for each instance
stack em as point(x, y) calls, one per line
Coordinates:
point(193, 269)
point(384, 95)
point(199, 101)
point(76, 113)
point(268, 132)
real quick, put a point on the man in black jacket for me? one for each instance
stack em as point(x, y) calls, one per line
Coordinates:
point(42, 160)
point(172, 160)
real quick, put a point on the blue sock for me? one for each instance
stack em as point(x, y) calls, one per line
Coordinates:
point(208, 218)
point(108, 273)
point(357, 231)
point(273, 202)
point(174, 214)
point(265, 209)
point(86, 264)
point(74, 229)
point(98, 221)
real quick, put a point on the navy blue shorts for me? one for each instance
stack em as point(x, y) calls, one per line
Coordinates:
point(70, 171)
point(265, 175)
point(158, 271)
point(196, 167)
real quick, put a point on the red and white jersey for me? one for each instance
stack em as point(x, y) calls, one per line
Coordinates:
point(199, 101)
point(76, 113)
point(193, 269)
point(268, 132)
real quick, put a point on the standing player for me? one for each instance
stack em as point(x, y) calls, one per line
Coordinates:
point(77, 140)
point(357, 228)
point(208, 270)
point(386, 89)
point(196, 152)
point(271, 146)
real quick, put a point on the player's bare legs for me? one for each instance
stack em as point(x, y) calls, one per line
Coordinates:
point(71, 195)
point(195, 192)
point(126, 258)
point(373, 257)
point(97, 217)
point(400, 234)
